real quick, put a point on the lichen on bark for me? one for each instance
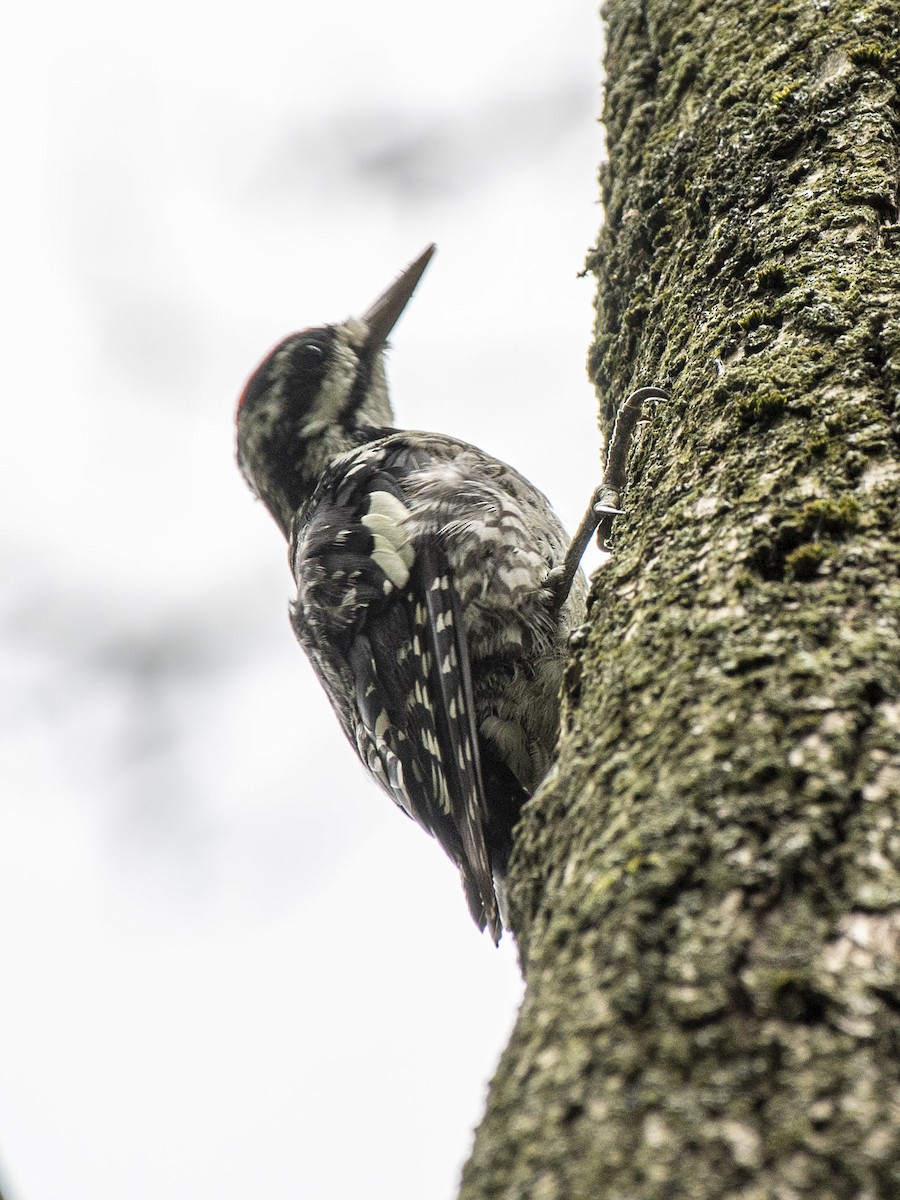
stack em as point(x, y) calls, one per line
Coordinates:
point(706, 892)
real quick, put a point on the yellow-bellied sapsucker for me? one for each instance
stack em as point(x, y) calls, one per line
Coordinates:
point(435, 594)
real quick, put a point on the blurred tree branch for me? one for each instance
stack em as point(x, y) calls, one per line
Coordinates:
point(706, 893)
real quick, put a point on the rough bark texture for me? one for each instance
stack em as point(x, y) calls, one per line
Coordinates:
point(706, 894)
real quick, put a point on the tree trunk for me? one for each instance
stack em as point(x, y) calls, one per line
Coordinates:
point(706, 893)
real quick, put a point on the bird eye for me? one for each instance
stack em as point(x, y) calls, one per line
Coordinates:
point(308, 356)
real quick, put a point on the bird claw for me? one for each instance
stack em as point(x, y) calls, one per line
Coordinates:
point(604, 506)
point(555, 581)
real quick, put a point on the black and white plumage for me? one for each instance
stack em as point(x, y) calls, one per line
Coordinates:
point(435, 595)
point(420, 598)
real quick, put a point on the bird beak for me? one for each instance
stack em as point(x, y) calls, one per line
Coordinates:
point(385, 312)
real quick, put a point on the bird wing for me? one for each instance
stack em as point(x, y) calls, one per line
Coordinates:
point(379, 615)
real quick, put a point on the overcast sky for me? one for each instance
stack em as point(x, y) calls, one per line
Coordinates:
point(230, 966)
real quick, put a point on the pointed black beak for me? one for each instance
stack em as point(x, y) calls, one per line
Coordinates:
point(385, 312)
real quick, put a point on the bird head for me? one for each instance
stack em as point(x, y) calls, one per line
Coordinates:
point(313, 397)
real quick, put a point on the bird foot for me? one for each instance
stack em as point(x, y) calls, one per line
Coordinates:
point(605, 505)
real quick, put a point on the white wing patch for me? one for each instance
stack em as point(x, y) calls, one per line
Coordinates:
point(392, 548)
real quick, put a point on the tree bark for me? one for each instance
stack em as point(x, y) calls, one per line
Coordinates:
point(706, 893)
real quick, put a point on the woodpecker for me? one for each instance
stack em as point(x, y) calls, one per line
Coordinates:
point(436, 588)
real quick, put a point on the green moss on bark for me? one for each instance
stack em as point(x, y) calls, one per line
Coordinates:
point(706, 893)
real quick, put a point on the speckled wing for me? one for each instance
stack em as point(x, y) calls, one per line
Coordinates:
point(378, 614)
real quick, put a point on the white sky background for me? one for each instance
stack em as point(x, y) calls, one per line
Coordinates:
point(229, 966)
